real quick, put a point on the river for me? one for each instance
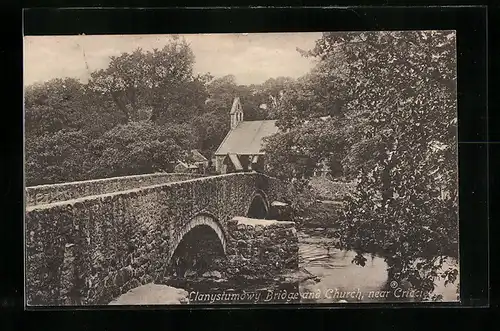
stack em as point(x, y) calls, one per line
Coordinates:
point(337, 277)
point(326, 276)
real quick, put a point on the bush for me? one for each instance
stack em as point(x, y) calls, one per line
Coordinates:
point(63, 156)
point(140, 147)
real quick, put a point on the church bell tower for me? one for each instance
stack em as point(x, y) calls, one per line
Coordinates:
point(236, 113)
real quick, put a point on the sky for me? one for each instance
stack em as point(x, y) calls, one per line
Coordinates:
point(252, 58)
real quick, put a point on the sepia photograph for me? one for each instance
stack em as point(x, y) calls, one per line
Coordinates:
point(250, 168)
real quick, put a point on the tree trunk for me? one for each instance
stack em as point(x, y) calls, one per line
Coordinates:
point(132, 96)
point(119, 103)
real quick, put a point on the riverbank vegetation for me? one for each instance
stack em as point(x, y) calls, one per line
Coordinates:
point(380, 109)
point(319, 203)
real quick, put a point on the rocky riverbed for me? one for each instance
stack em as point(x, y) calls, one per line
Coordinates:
point(325, 275)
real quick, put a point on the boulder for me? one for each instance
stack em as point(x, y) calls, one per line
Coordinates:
point(153, 294)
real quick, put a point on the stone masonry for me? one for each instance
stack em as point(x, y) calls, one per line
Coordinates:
point(261, 248)
point(43, 194)
point(92, 249)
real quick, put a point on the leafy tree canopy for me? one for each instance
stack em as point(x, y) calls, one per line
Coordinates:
point(160, 82)
point(388, 103)
point(141, 102)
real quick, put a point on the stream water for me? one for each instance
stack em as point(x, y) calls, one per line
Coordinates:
point(326, 275)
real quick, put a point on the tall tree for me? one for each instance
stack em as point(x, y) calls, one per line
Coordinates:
point(53, 105)
point(393, 94)
point(123, 81)
point(159, 82)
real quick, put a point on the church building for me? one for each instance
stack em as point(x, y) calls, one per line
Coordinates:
point(241, 149)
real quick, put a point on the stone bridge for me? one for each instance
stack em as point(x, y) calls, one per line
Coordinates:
point(89, 242)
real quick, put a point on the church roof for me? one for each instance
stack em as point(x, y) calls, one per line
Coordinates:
point(182, 164)
point(197, 156)
point(247, 137)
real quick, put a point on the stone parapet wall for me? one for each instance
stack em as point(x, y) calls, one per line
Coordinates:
point(261, 248)
point(44, 194)
point(93, 249)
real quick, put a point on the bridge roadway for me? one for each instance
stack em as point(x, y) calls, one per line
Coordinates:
point(89, 242)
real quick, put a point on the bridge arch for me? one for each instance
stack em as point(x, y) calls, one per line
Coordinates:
point(259, 205)
point(201, 220)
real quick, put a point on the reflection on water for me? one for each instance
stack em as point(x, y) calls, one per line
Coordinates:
point(327, 275)
point(339, 278)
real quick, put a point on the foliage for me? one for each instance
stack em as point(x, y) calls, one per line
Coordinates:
point(66, 104)
point(390, 102)
point(313, 130)
point(259, 101)
point(159, 80)
point(57, 157)
point(327, 189)
point(140, 147)
point(139, 114)
point(299, 151)
point(210, 128)
point(213, 125)
point(299, 195)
